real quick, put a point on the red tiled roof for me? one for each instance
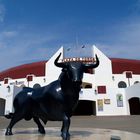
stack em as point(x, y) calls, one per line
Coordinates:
point(36, 68)
point(120, 65)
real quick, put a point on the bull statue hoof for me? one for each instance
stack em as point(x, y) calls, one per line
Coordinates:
point(65, 136)
point(41, 130)
point(8, 132)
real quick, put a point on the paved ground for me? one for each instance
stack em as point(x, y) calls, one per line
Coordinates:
point(125, 123)
point(76, 133)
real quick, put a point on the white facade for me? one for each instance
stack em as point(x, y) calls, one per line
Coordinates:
point(115, 100)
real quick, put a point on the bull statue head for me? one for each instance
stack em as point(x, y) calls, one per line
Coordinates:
point(76, 69)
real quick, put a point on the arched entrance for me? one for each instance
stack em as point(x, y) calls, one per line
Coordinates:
point(85, 107)
point(2, 106)
point(134, 105)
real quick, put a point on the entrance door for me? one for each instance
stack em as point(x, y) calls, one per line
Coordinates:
point(85, 108)
point(134, 104)
point(2, 106)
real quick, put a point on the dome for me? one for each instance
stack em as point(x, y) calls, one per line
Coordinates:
point(120, 65)
point(36, 68)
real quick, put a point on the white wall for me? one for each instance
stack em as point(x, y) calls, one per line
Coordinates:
point(135, 77)
point(103, 76)
point(122, 77)
point(52, 72)
point(38, 80)
point(103, 73)
point(108, 109)
point(8, 96)
point(112, 108)
point(133, 91)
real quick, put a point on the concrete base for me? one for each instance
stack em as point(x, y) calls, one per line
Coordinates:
point(76, 134)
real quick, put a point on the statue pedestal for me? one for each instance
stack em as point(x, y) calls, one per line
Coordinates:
point(76, 134)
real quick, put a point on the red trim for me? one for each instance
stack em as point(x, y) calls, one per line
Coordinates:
point(37, 69)
point(121, 65)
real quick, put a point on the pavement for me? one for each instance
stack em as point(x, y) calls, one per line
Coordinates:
point(82, 127)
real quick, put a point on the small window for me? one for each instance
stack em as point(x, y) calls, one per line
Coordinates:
point(86, 85)
point(30, 78)
point(136, 82)
point(36, 86)
point(128, 74)
point(6, 81)
point(122, 84)
point(101, 89)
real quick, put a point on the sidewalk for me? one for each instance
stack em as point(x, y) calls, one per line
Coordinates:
point(53, 133)
point(124, 123)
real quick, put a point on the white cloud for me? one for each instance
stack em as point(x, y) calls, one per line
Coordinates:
point(120, 51)
point(18, 47)
point(124, 39)
point(10, 33)
point(2, 12)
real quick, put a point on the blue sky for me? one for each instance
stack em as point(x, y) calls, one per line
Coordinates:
point(33, 30)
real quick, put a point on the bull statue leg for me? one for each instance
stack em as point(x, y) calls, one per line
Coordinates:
point(65, 128)
point(16, 117)
point(40, 126)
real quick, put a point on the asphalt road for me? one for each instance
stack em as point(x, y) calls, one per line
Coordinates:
point(124, 123)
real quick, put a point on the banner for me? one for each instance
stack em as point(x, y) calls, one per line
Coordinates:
point(119, 100)
point(100, 104)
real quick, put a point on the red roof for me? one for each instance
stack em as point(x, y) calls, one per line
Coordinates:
point(120, 65)
point(36, 68)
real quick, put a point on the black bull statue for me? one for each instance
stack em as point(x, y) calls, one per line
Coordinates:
point(54, 102)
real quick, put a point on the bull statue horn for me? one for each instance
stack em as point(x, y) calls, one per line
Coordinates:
point(94, 65)
point(61, 65)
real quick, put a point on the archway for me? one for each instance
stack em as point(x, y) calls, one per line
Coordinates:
point(2, 106)
point(36, 86)
point(122, 84)
point(85, 107)
point(134, 105)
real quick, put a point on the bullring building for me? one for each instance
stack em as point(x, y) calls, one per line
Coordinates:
point(113, 88)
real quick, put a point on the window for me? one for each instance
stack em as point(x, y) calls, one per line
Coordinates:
point(36, 86)
point(128, 74)
point(86, 85)
point(6, 81)
point(30, 78)
point(136, 82)
point(122, 84)
point(101, 89)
